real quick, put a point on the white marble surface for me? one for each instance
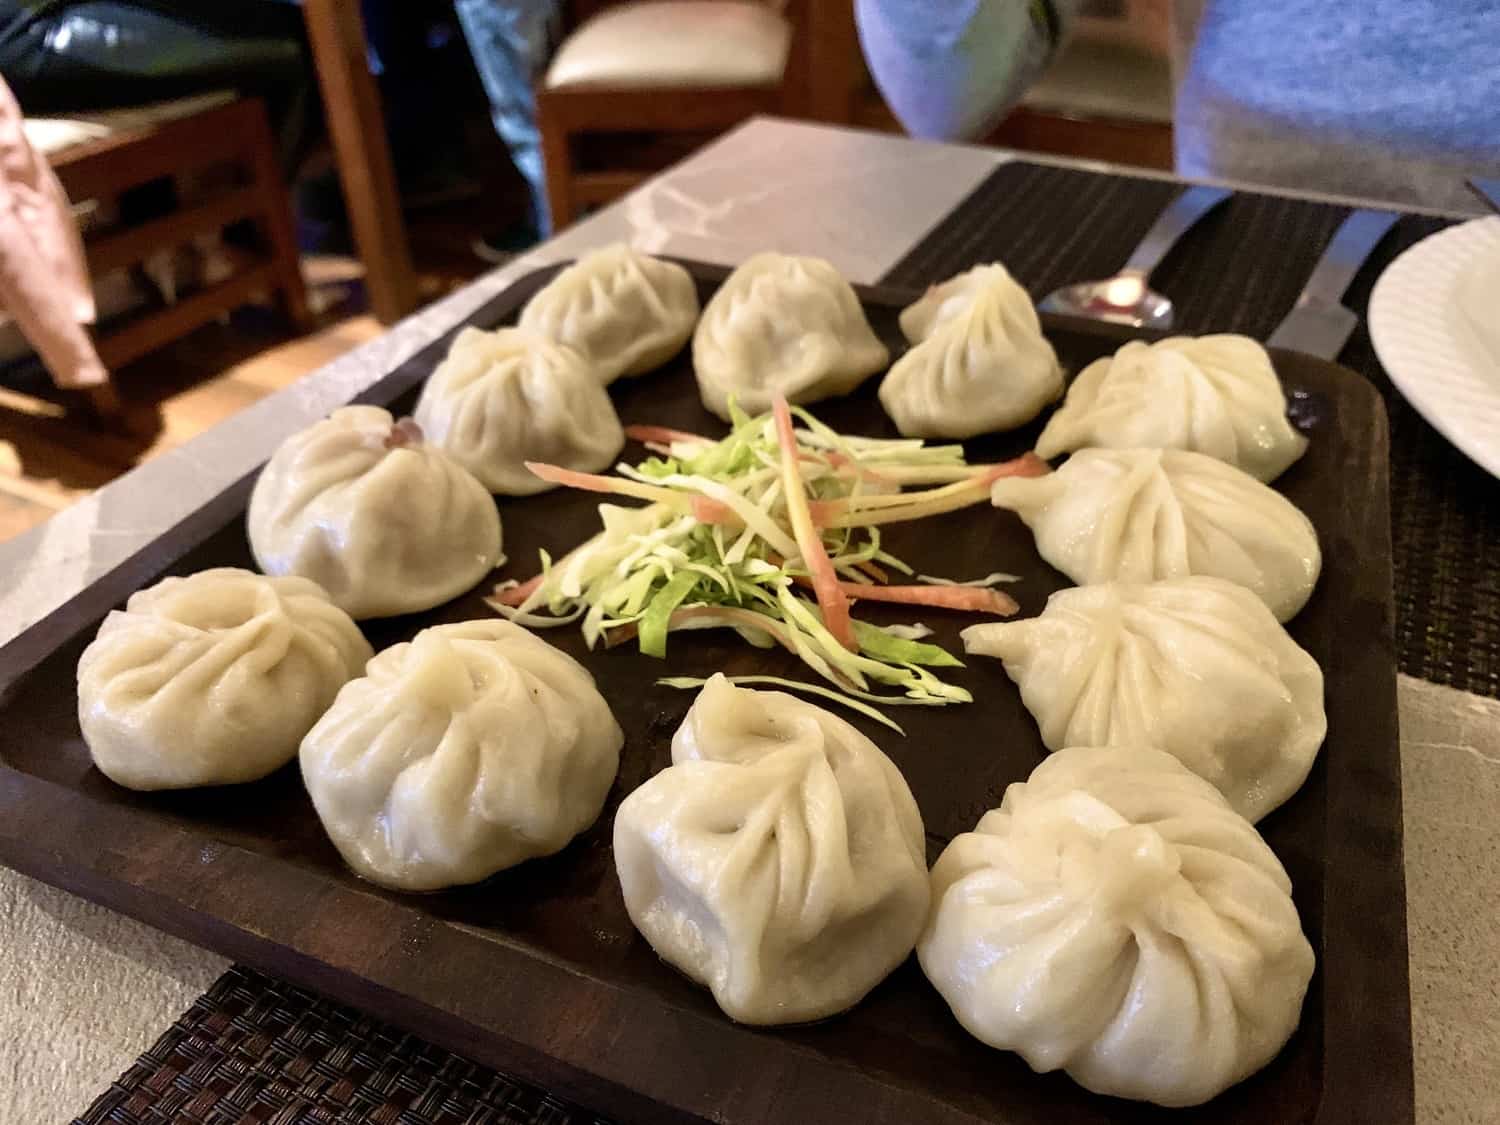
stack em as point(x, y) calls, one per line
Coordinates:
point(83, 990)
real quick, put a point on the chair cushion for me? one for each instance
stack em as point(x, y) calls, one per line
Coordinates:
point(669, 44)
point(1105, 78)
point(52, 135)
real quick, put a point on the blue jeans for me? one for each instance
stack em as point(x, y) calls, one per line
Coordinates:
point(509, 40)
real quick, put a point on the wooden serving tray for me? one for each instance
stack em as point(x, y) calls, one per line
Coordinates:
point(539, 970)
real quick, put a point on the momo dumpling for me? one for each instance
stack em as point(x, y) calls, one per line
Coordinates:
point(779, 860)
point(948, 299)
point(783, 325)
point(469, 749)
point(212, 679)
point(1217, 395)
point(368, 510)
point(983, 366)
point(1114, 918)
point(1138, 515)
point(1197, 667)
point(624, 312)
point(503, 398)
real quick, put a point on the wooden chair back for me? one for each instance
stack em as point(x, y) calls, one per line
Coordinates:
point(818, 84)
point(238, 134)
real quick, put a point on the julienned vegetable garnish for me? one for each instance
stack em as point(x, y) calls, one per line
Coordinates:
point(734, 530)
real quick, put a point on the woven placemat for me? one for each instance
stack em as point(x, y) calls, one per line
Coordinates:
point(1240, 270)
point(254, 1049)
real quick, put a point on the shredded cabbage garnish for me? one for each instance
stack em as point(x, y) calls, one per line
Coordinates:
point(692, 683)
point(773, 531)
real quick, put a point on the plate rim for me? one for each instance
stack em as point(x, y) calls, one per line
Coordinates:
point(1390, 322)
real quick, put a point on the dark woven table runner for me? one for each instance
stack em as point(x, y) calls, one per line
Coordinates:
point(254, 1049)
point(1240, 270)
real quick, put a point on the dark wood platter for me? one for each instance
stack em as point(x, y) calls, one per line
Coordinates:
point(539, 971)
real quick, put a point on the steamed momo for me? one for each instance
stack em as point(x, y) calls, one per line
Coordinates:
point(982, 363)
point(1114, 918)
point(1137, 515)
point(503, 398)
point(624, 312)
point(947, 299)
point(212, 679)
point(466, 751)
point(779, 860)
point(363, 506)
point(1197, 667)
point(782, 325)
point(1217, 395)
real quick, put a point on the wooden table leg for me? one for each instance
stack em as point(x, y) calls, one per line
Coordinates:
point(351, 104)
point(275, 220)
point(104, 400)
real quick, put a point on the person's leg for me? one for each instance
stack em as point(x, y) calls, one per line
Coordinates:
point(44, 284)
point(509, 41)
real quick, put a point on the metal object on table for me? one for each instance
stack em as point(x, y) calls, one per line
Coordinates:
point(1126, 298)
point(1319, 323)
point(1487, 190)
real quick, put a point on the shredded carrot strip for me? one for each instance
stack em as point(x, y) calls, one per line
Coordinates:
point(663, 435)
point(824, 512)
point(518, 594)
point(969, 599)
point(708, 510)
point(895, 508)
point(1026, 465)
point(968, 491)
point(593, 482)
point(839, 461)
point(867, 511)
point(831, 598)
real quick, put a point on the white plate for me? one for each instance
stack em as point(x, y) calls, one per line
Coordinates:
point(1435, 323)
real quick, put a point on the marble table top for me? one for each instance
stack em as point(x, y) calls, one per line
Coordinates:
point(83, 990)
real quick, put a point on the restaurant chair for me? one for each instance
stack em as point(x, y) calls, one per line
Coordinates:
point(1106, 96)
point(225, 138)
point(685, 67)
